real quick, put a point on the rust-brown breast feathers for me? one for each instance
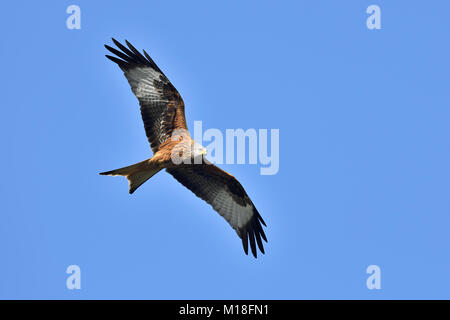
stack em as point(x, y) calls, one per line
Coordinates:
point(162, 107)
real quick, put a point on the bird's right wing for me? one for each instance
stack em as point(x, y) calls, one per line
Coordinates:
point(162, 107)
point(227, 196)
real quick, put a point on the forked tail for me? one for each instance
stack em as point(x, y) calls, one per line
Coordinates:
point(136, 174)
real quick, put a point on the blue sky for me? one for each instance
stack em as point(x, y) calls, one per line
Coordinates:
point(364, 150)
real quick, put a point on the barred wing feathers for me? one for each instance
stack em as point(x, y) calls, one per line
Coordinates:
point(162, 107)
point(227, 196)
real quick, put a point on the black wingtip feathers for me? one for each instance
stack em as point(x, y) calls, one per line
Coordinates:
point(129, 57)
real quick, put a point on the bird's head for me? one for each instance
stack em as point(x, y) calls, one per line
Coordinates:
point(198, 151)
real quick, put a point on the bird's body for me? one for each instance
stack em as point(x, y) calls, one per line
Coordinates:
point(162, 110)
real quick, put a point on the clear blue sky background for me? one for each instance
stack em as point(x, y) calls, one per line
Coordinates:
point(364, 150)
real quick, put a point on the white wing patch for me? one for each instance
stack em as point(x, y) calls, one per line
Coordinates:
point(236, 215)
point(142, 82)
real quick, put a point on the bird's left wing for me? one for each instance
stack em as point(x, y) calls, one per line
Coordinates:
point(162, 107)
point(227, 196)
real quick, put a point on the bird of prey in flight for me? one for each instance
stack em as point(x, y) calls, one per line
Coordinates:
point(162, 110)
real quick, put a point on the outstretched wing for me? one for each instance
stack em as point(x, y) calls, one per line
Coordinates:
point(162, 107)
point(227, 196)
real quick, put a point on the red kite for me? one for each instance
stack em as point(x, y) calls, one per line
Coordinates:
point(162, 110)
